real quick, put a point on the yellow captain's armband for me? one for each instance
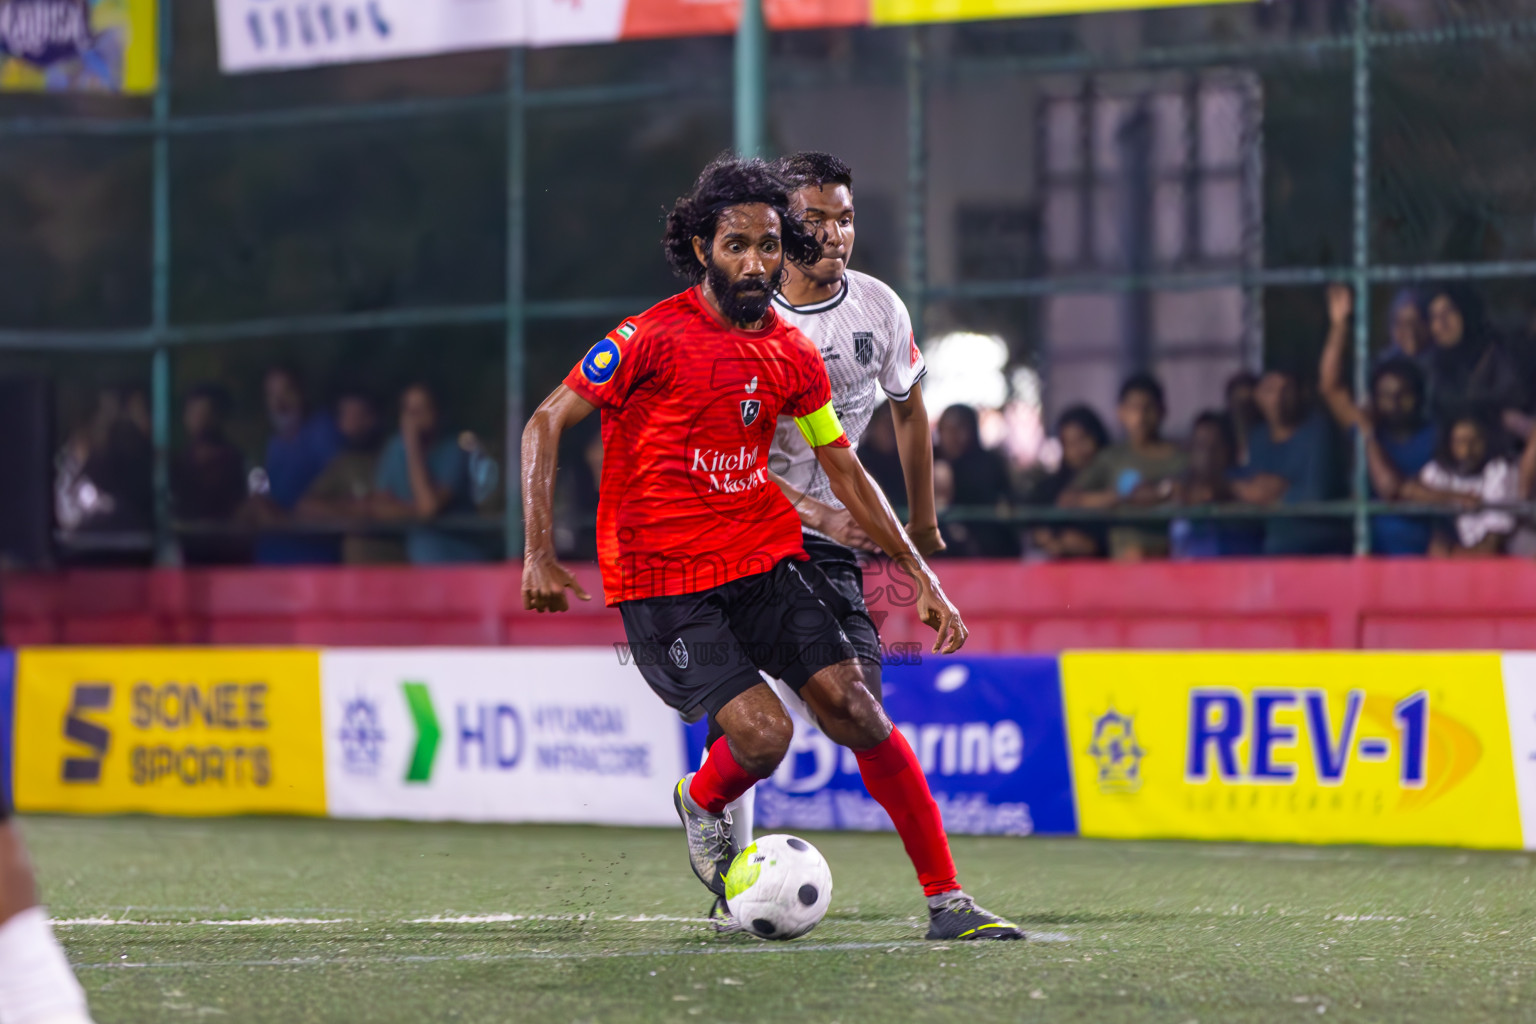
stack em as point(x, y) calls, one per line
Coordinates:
point(820, 427)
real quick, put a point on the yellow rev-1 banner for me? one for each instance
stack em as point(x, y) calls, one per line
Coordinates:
point(170, 731)
point(1397, 749)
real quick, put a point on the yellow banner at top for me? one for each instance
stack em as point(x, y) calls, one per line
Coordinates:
point(1401, 749)
point(100, 46)
point(912, 12)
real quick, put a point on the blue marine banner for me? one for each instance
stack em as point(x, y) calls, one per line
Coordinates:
point(7, 725)
point(988, 730)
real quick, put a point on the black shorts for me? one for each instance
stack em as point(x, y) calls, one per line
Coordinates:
point(844, 594)
point(700, 651)
point(839, 582)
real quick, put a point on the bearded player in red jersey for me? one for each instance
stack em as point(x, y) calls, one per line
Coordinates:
point(700, 550)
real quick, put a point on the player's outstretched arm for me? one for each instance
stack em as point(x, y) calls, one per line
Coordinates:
point(823, 518)
point(856, 489)
point(545, 579)
point(914, 446)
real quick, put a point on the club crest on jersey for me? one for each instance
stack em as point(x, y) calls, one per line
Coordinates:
point(863, 347)
point(750, 407)
point(601, 362)
point(679, 653)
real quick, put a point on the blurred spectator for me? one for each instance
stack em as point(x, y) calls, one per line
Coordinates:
point(423, 473)
point(1082, 436)
point(1295, 458)
point(1242, 411)
point(1472, 373)
point(880, 455)
point(298, 451)
point(1131, 472)
point(1399, 439)
point(943, 486)
point(208, 482)
point(576, 492)
point(1213, 478)
point(1469, 471)
point(104, 490)
point(1407, 329)
point(344, 490)
point(1399, 444)
point(980, 481)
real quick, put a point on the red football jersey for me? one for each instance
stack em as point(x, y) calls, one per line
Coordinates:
point(689, 404)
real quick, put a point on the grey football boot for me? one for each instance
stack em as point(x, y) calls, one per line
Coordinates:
point(955, 916)
point(721, 917)
point(711, 846)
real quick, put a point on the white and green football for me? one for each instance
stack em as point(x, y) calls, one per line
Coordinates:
point(779, 887)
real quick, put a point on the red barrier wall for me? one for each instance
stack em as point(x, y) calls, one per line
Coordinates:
point(1402, 604)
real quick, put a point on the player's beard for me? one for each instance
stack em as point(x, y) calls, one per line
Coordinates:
point(744, 302)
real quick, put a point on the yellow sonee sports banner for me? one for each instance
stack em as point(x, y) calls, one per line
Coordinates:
point(196, 731)
point(1396, 749)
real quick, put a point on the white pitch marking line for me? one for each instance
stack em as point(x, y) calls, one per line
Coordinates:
point(1364, 917)
point(830, 947)
point(467, 919)
point(98, 922)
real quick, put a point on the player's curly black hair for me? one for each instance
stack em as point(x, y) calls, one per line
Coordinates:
point(813, 167)
point(726, 182)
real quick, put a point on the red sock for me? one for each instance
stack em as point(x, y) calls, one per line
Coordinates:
point(895, 779)
point(721, 780)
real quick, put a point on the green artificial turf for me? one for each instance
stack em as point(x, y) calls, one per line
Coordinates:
point(606, 929)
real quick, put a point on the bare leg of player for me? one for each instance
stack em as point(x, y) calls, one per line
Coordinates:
point(36, 983)
point(743, 809)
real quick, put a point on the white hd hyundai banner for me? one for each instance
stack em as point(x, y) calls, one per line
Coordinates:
point(267, 34)
point(527, 735)
point(263, 35)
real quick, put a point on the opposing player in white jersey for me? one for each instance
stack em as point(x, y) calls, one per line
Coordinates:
point(865, 336)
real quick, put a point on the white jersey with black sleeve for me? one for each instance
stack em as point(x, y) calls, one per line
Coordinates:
point(864, 334)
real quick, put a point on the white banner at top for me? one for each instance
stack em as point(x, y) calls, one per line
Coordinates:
point(259, 35)
point(265, 35)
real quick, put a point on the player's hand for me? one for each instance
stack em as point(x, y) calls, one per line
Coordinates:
point(839, 524)
point(935, 609)
point(544, 584)
point(926, 539)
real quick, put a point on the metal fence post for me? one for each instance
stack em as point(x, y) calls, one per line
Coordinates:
point(517, 171)
point(751, 80)
point(1360, 279)
point(917, 182)
point(160, 299)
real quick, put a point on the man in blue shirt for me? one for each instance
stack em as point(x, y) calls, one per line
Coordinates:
point(298, 451)
point(423, 474)
point(1399, 443)
point(1399, 439)
point(1303, 451)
